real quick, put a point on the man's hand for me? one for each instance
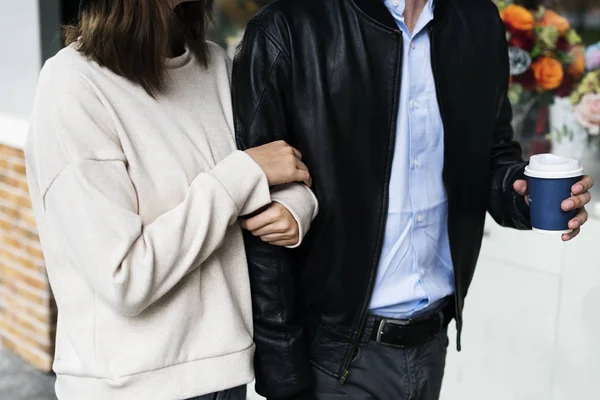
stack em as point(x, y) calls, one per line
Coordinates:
point(276, 226)
point(578, 201)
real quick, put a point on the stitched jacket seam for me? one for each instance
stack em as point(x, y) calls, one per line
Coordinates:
point(264, 91)
point(271, 39)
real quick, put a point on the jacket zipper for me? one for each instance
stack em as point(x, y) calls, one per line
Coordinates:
point(392, 143)
point(445, 178)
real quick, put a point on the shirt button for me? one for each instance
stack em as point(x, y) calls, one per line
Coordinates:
point(396, 3)
point(415, 104)
point(413, 46)
point(416, 163)
point(420, 218)
point(422, 271)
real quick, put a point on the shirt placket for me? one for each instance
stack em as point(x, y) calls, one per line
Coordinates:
point(417, 106)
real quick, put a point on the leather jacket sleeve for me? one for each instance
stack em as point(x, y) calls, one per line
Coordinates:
point(260, 96)
point(506, 206)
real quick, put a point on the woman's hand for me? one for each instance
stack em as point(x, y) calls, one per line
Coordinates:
point(275, 225)
point(281, 163)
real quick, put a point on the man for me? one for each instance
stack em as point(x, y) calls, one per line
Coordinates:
point(400, 110)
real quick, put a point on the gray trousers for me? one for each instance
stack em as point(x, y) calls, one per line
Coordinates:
point(387, 373)
point(238, 393)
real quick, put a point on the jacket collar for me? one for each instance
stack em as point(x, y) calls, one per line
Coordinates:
point(380, 13)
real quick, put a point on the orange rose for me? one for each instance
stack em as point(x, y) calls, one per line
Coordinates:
point(548, 72)
point(550, 18)
point(518, 18)
point(577, 68)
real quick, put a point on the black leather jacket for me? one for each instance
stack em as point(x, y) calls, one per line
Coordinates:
point(325, 76)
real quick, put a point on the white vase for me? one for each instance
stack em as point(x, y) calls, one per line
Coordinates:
point(575, 144)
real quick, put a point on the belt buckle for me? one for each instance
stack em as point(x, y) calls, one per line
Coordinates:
point(382, 324)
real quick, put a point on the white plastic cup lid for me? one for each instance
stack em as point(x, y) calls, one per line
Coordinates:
point(550, 166)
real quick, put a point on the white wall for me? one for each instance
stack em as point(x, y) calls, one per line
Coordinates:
point(28, 33)
point(20, 55)
point(532, 320)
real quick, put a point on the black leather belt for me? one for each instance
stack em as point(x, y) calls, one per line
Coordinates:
point(412, 332)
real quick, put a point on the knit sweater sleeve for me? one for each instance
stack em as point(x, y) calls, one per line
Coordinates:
point(93, 204)
point(301, 202)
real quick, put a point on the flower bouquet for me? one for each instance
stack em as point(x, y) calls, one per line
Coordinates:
point(546, 59)
point(575, 122)
point(586, 98)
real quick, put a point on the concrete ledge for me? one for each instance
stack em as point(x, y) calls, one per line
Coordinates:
point(20, 381)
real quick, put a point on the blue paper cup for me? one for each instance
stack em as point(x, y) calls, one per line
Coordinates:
point(550, 179)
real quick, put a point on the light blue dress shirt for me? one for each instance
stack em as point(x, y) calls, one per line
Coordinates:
point(415, 269)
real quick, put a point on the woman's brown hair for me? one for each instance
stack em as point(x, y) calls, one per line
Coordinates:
point(133, 37)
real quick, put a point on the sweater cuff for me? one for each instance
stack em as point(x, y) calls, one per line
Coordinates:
point(245, 182)
point(301, 202)
point(308, 395)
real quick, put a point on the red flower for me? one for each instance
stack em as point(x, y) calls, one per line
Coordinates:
point(563, 44)
point(566, 87)
point(526, 79)
point(522, 39)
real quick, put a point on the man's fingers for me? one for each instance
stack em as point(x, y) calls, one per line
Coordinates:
point(585, 184)
point(569, 236)
point(580, 219)
point(520, 187)
point(576, 202)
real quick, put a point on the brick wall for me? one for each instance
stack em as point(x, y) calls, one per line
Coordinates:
point(27, 309)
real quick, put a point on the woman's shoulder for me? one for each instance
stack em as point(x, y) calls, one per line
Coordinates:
point(68, 71)
point(67, 62)
point(218, 56)
point(214, 50)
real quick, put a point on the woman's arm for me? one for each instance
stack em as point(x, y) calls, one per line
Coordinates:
point(93, 206)
point(91, 201)
point(288, 219)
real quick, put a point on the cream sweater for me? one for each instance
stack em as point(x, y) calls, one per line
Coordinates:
point(137, 201)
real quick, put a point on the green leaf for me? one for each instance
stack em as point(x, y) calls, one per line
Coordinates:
point(515, 92)
point(572, 37)
point(548, 37)
point(536, 51)
point(539, 13)
point(565, 58)
point(546, 98)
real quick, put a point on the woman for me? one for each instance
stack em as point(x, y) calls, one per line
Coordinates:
point(137, 190)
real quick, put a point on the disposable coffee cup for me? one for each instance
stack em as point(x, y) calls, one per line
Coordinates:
point(550, 179)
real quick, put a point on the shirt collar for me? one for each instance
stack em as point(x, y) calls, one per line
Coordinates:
point(398, 7)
